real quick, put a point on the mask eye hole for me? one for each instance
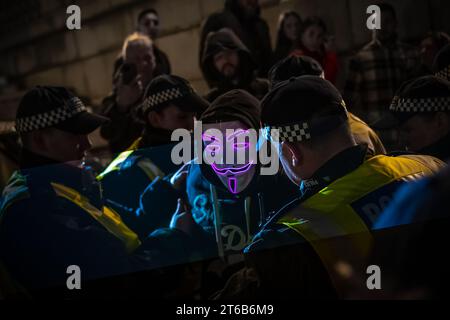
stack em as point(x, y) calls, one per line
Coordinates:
point(209, 138)
point(240, 145)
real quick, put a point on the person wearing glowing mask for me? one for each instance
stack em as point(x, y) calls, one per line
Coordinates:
point(234, 174)
point(226, 202)
point(231, 198)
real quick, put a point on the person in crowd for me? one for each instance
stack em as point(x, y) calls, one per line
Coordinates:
point(243, 18)
point(313, 43)
point(441, 65)
point(293, 66)
point(53, 214)
point(378, 70)
point(148, 23)
point(228, 64)
point(132, 78)
point(341, 193)
point(421, 111)
point(288, 35)
point(170, 103)
point(226, 208)
point(429, 48)
point(48, 209)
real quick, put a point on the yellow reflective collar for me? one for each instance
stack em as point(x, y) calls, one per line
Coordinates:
point(107, 217)
point(150, 169)
point(115, 164)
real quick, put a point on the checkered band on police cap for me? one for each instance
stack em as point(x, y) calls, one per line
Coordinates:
point(420, 104)
point(290, 133)
point(444, 73)
point(50, 118)
point(162, 97)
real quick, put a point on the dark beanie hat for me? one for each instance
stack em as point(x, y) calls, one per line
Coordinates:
point(294, 66)
point(234, 105)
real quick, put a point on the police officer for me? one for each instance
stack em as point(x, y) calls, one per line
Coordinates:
point(421, 110)
point(170, 103)
point(340, 194)
point(51, 213)
point(295, 66)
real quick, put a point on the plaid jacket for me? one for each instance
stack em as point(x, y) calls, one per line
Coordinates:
point(375, 73)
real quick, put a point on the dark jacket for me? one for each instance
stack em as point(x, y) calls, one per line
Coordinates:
point(42, 233)
point(282, 263)
point(254, 204)
point(409, 232)
point(253, 31)
point(123, 128)
point(245, 78)
point(263, 196)
point(9, 156)
point(134, 178)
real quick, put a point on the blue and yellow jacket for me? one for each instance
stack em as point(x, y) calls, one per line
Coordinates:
point(341, 201)
point(130, 174)
point(47, 223)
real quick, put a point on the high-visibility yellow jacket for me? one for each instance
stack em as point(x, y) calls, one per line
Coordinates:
point(46, 227)
point(363, 134)
point(106, 216)
point(337, 220)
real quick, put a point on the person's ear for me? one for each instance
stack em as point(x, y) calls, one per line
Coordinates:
point(294, 152)
point(40, 140)
point(154, 119)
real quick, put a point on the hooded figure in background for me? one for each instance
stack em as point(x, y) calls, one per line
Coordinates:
point(228, 64)
point(243, 17)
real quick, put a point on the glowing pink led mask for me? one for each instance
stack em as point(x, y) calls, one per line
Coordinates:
point(236, 173)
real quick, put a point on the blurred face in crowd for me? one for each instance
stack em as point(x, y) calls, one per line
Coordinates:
point(429, 47)
point(58, 145)
point(313, 38)
point(171, 117)
point(291, 27)
point(388, 26)
point(421, 131)
point(226, 63)
point(237, 173)
point(144, 60)
point(149, 25)
point(250, 8)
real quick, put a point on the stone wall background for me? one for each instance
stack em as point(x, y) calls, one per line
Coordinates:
point(36, 48)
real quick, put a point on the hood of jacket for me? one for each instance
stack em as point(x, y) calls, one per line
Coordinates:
point(226, 39)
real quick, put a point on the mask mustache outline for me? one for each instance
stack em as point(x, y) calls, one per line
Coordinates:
point(224, 171)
